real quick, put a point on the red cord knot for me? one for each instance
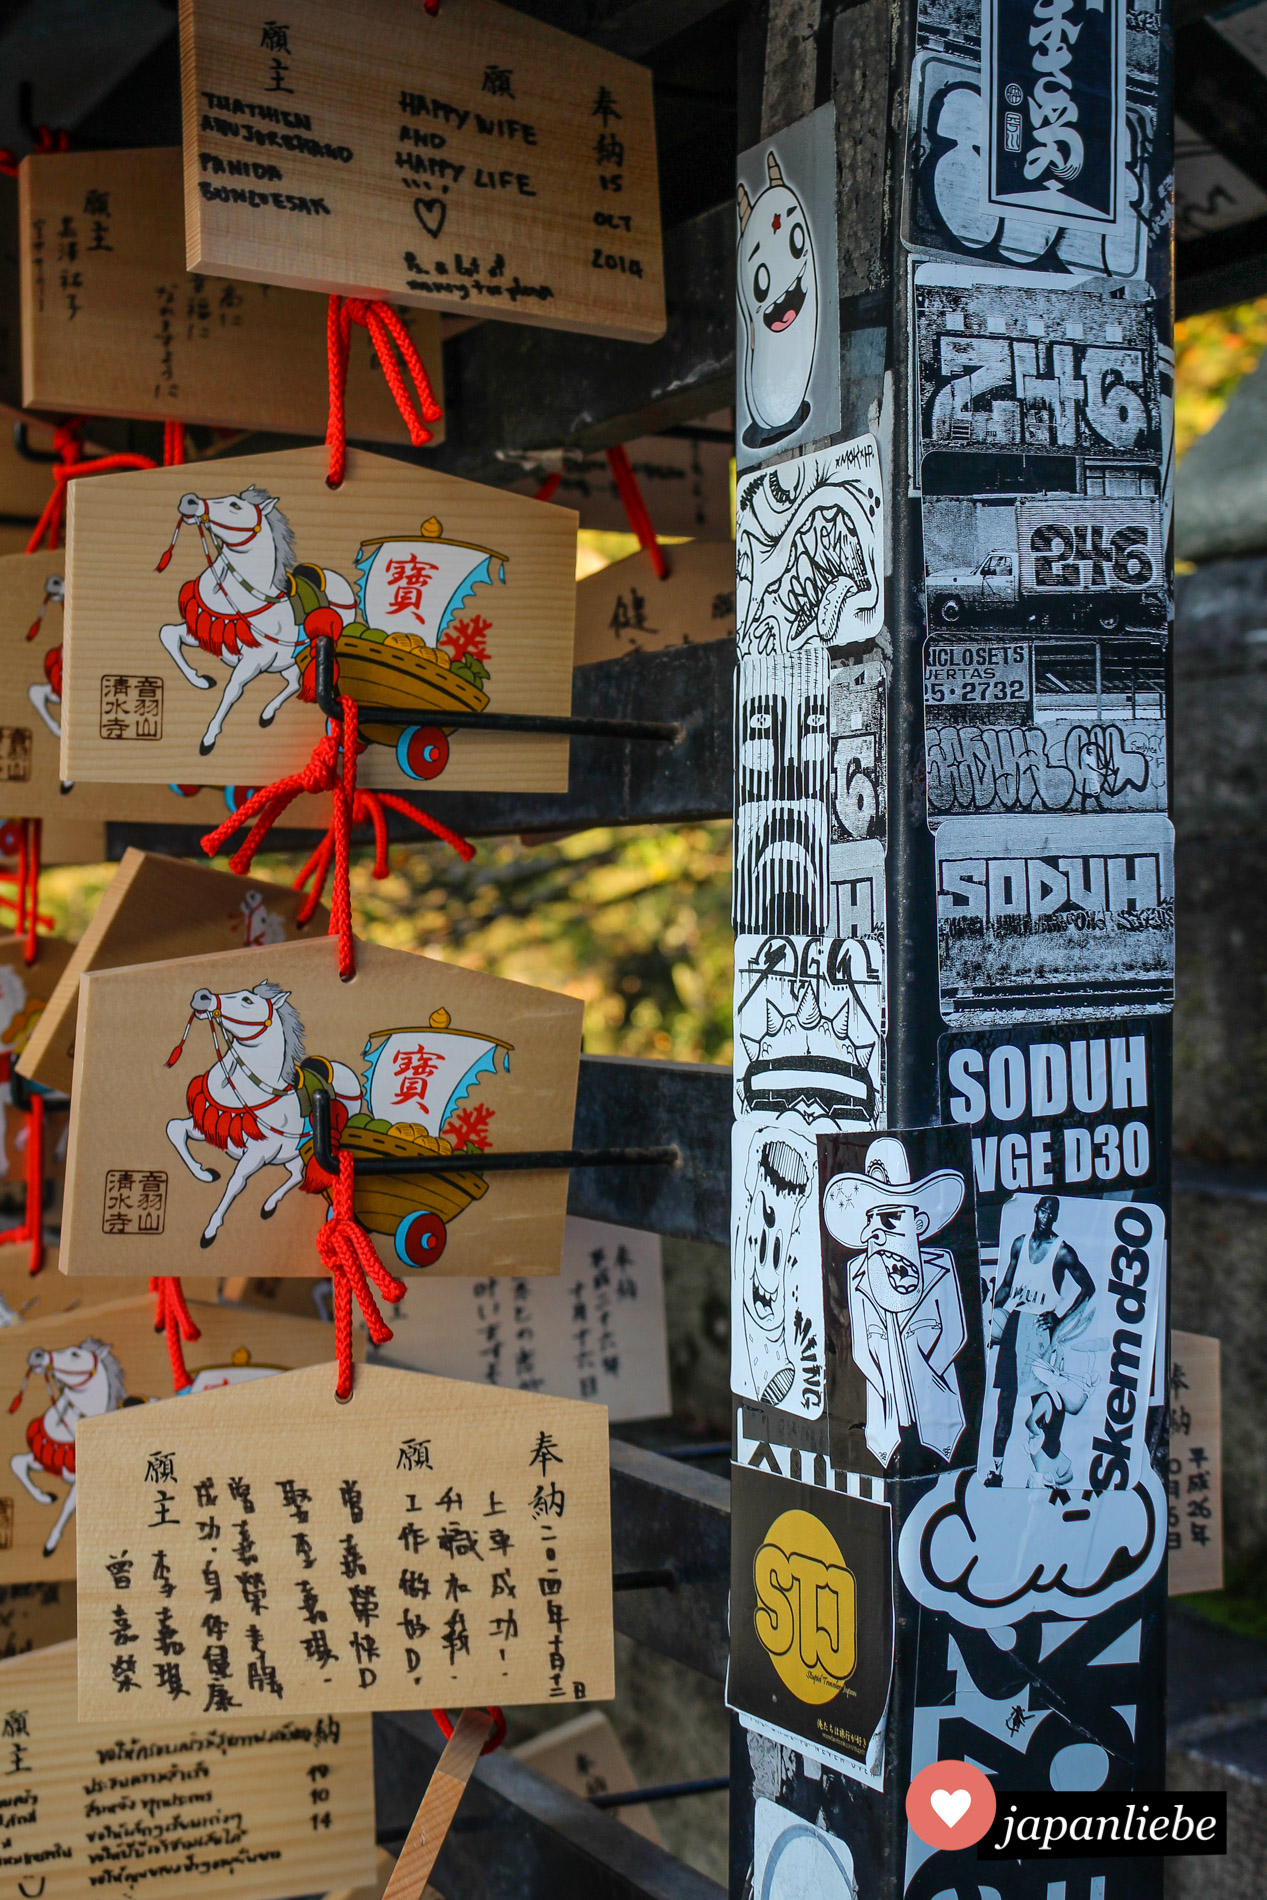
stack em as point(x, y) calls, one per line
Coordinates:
point(173, 1317)
point(332, 768)
point(494, 1741)
point(390, 338)
point(348, 1256)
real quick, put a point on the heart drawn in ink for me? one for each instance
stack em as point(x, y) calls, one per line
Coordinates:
point(431, 214)
point(951, 1807)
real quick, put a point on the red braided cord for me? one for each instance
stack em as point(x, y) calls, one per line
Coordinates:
point(173, 1317)
point(350, 806)
point(445, 1726)
point(174, 448)
point(548, 486)
point(49, 528)
point(385, 328)
point(636, 509)
point(348, 1255)
point(34, 847)
point(35, 1181)
point(31, 1226)
point(10, 903)
point(8, 161)
point(46, 140)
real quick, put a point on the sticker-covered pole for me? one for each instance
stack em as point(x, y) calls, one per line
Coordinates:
point(954, 942)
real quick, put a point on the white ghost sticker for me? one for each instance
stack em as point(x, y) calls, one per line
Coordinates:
point(778, 301)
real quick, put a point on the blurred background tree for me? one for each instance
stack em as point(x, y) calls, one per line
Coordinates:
point(1212, 353)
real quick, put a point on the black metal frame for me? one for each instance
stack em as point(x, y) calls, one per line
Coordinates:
point(326, 694)
point(530, 1161)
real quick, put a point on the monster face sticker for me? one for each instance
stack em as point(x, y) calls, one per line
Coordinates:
point(786, 275)
point(779, 1177)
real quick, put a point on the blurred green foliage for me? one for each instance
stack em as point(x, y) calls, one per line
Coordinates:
point(1212, 353)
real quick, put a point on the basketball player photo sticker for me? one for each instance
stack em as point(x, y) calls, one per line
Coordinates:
point(903, 1301)
point(811, 1615)
point(192, 1135)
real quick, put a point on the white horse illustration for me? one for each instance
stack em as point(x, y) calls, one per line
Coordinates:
point(46, 697)
point(83, 1382)
point(248, 1104)
point(239, 609)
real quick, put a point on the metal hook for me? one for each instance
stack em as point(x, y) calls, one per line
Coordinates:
point(22, 444)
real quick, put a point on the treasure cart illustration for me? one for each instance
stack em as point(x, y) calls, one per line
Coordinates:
point(416, 1084)
point(409, 649)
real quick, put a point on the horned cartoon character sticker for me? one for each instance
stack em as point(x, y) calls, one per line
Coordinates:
point(789, 384)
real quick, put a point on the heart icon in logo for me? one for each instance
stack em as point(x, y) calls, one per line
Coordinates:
point(431, 214)
point(951, 1807)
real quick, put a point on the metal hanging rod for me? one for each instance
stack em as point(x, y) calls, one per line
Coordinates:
point(663, 1579)
point(326, 694)
point(666, 1791)
point(550, 1158)
point(21, 1091)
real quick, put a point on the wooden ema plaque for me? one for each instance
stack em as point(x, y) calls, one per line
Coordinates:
point(35, 1616)
point(106, 1359)
point(252, 1806)
point(114, 325)
point(155, 908)
point(448, 595)
point(477, 162)
point(626, 608)
point(62, 841)
point(24, 992)
point(1195, 1530)
point(28, 1299)
point(191, 1111)
point(32, 591)
point(450, 1547)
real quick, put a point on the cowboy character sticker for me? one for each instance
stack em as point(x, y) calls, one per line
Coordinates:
point(898, 1217)
point(437, 596)
point(416, 1061)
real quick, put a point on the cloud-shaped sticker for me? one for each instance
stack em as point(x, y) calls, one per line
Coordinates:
point(989, 1556)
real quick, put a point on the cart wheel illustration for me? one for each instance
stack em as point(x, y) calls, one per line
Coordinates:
point(422, 751)
point(420, 1238)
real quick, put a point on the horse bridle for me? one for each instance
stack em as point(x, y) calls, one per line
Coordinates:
point(207, 519)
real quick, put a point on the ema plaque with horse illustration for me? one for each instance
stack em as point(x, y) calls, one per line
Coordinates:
point(32, 660)
point(100, 1359)
point(192, 621)
point(208, 1149)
